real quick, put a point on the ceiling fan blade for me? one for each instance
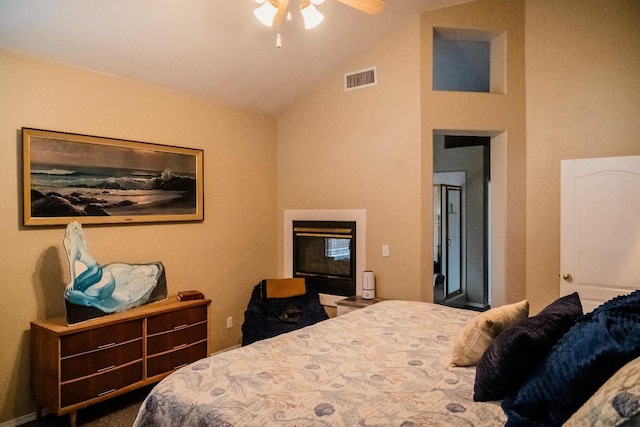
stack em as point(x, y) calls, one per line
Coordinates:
point(369, 6)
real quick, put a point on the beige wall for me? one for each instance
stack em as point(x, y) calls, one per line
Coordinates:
point(574, 94)
point(583, 100)
point(358, 150)
point(501, 115)
point(372, 148)
point(224, 256)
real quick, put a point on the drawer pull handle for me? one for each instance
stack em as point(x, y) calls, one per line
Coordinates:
point(107, 368)
point(180, 327)
point(106, 345)
point(179, 346)
point(181, 366)
point(107, 392)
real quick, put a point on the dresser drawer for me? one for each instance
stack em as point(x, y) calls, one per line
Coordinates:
point(101, 360)
point(176, 319)
point(169, 362)
point(99, 338)
point(176, 339)
point(100, 385)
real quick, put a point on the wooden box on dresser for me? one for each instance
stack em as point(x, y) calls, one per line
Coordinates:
point(85, 363)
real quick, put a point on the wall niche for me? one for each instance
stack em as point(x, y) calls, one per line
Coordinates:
point(469, 60)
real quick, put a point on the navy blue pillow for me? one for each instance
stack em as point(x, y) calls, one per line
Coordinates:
point(515, 353)
point(597, 346)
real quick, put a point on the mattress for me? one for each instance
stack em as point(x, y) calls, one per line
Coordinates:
point(387, 364)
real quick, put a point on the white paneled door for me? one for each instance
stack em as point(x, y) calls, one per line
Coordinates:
point(600, 228)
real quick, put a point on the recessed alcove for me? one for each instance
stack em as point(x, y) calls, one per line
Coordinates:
point(469, 60)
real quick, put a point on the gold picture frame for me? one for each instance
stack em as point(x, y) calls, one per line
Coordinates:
point(98, 180)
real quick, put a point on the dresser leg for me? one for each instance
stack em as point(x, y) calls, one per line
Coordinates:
point(72, 419)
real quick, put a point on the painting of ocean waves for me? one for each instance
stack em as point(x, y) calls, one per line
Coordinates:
point(71, 175)
point(107, 191)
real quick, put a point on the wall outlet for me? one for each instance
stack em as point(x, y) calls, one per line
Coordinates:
point(229, 322)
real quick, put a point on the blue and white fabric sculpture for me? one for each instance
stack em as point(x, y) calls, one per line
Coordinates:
point(95, 290)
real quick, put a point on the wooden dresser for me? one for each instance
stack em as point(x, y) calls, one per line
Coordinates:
point(82, 364)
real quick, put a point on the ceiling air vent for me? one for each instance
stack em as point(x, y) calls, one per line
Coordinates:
point(361, 79)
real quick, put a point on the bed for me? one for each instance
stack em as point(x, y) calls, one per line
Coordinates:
point(389, 364)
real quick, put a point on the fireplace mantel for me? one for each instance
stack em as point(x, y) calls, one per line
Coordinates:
point(358, 216)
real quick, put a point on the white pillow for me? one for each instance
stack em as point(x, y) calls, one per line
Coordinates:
point(482, 329)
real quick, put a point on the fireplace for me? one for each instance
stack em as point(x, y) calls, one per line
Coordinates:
point(324, 253)
point(358, 244)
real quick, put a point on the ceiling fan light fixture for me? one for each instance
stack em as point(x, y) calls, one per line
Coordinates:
point(312, 18)
point(267, 12)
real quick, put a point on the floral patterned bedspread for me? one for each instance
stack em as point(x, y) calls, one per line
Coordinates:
point(384, 365)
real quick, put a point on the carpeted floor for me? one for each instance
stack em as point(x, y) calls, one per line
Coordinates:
point(119, 411)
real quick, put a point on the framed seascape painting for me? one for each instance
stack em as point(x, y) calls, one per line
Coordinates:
point(98, 180)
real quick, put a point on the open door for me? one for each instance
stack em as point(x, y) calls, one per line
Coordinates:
point(453, 259)
point(600, 228)
point(448, 235)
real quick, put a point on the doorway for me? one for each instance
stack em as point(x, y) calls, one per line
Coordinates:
point(461, 176)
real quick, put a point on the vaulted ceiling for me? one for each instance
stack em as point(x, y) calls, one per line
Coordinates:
point(210, 48)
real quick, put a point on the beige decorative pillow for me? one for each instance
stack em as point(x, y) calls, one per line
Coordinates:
point(477, 335)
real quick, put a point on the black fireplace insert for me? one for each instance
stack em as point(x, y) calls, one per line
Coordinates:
point(324, 252)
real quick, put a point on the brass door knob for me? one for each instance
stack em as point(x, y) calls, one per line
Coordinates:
point(567, 277)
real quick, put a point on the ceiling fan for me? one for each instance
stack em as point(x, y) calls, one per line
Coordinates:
point(272, 12)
